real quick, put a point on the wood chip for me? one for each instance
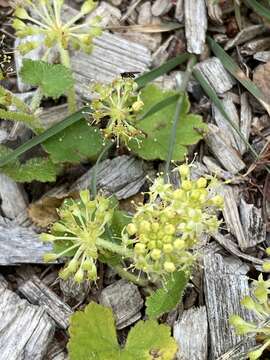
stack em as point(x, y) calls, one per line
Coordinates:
point(245, 119)
point(38, 293)
point(179, 10)
point(218, 77)
point(225, 286)
point(125, 300)
point(223, 151)
point(161, 7)
point(109, 14)
point(251, 47)
point(261, 78)
point(214, 11)
point(214, 169)
point(263, 56)
point(191, 334)
point(26, 330)
point(248, 33)
point(20, 245)
point(195, 25)
point(253, 224)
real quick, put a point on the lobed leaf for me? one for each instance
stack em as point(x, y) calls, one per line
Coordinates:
point(157, 126)
point(93, 336)
point(54, 80)
point(165, 299)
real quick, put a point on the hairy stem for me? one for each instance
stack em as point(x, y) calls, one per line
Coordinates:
point(131, 277)
point(178, 109)
point(115, 248)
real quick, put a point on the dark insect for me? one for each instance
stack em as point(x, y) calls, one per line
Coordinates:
point(128, 74)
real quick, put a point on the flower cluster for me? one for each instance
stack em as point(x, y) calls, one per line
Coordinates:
point(120, 102)
point(44, 17)
point(258, 302)
point(80, 232)
point(165, 229)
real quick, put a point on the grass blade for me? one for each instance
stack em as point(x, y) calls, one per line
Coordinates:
point(161, 70)
point(152, 28)
point(72, 119)
point(215, 99)
point(159, 106)
point(259, 8)
point(236, 72)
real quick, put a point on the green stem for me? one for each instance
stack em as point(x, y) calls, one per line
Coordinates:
point(115, 248)
point(130, 277)
point(20, 105)
point(71, 94)
point(18, 116)
point(178, 110)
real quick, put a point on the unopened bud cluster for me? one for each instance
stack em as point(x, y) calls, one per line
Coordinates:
point(165, 229)
point(44, 17)
point(120, 102)
point(79, 232)
point(258, 302)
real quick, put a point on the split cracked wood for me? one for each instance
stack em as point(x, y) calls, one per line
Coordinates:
point(225, 286)
point(191, 334)
point(26, 330)
point(20, 245)
point(38, 293)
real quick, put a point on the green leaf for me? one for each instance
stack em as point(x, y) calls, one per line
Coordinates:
point(165, 299)
point(93, 336)
point(39, 169)
point(157, 127)
point(54, 80)
point(259, 8)
point(76, 143)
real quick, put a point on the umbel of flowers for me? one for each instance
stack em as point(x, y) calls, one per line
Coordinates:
point(159, 239)
point(166, 228)
point(120, 102)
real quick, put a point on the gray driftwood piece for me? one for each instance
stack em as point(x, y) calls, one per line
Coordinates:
point(213, 70)
point(248, 33)
point(195, 25)
point(225, 286)
point(39, 294)
point(53, 115)
point(14, 200)
point(253, 224)
point(223, 151)
point(125, 300)
point(25, 329)
point(191, 334)
point(20, 245)
point(214, 168)
point(111, 56)
point(263, 56)
point(122, 176)
point(245, 119)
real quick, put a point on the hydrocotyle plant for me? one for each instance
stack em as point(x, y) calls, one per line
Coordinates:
point(258, 303)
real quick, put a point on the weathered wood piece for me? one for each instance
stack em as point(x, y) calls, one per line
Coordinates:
point(263, 56)
point(245, 119)
point(20, 245)
point(191, 334)
point(214, 169)
point(233, 249)
point(14, 200)
point(109, 14)
point(232, 217)
point(214, 11)
point(254, 46)
point(26, 330)
point(161, 7)
point(218, 77)
point(225, 286)
point(223, 151)
point(195, 25)
point(179, 10)
point(122, 176)
point(225, 126)
point(125, 300)
point(111, 56)
point(248, 33)
point(53, 115)
point(38, 293)
point(253, 224)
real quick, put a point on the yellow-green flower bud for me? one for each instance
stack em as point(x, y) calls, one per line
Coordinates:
point(248, 303)
point(266, 266)
point(145, 226)
point(241, 326)
point(78, 277)
point(167, 248)
point(217, 201)
point(21, 13)
point(201, 183)
point(179, 244)
point(155, 254)
point(267, 250)
point(178, 194)
point(184, 171)
point(137, 105)
point(47, 237)
point(131, 229)
point(186, 185)
point(256, 354)
point(58, 227)
point(88, 6)
point(139, 249)
point(155, 226)
point(85, 196)
point(73, 265)
point(169, 266)
point(50, 257)
point(169, 229)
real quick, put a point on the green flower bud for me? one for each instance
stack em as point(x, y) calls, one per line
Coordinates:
point(261, 293)
point(59, 227)
point(47, 237)
point(178, 194)
point(88, 6)
point(184, 171)
point(256, 354)
point(266, 266)
point(137, 105)
point(21, 13)
point(267, 250)
point(179, 244)
point(73, 265)
point(201, 183)
point(217, 201)
point(155, 227)
point(169, 266)
point(248, 303)
point(131, 229)
point(186, 185)
point(49, 257)
point(167, 248)
point(78, 277)
point(85, 196)
point(145, 226)
point(241, 326)
point(155, 254)
point(169, 229)
point(139, 249)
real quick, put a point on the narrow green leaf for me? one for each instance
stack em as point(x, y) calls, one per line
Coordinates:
point(72, 119)
point(165, 299)
point(259, 8)
point(236, 71)
point(161, 70)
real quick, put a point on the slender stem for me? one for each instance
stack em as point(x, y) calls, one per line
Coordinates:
point(130, 277)
point(178, 109)
point(115, 248)
point(71, 95)
point(95, 169)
